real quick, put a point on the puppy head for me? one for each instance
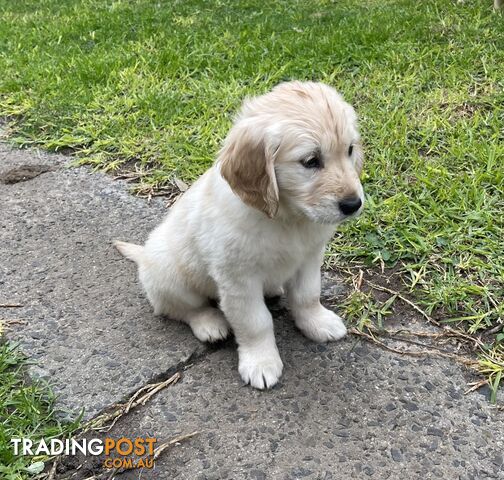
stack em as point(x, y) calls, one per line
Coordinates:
point(297, 148)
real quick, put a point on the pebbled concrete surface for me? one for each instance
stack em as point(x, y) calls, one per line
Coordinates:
point(345, 410)
point(342, 411)
point(87, 322)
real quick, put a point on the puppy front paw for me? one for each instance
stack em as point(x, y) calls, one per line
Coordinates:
point(320, 324)
point(261, 368)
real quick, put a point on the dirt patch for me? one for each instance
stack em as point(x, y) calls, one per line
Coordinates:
point(24, 173)
point(398, 324)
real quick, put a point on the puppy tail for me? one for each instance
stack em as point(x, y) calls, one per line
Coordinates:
point(129, 250)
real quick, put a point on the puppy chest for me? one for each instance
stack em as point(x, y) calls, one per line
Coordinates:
point(280, 264)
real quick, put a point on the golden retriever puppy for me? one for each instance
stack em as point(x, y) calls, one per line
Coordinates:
point(258, 221)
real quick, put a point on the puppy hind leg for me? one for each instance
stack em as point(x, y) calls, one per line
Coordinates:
point(171, 297)
point(274, 291)
point(208, 324)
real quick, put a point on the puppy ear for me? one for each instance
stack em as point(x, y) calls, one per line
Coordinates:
point(247, 164)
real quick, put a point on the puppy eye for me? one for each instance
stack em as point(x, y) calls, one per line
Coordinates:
point(350, 150)
point(312, 162)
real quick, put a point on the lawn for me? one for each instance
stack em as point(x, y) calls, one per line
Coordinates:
point(151, 87)
point(26, 411)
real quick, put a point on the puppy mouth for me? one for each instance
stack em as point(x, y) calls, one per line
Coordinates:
point(350, 217)
point(330, 218)
point(335, 214)
point(337, 219)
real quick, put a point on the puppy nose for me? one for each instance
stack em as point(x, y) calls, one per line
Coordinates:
point(350, 205)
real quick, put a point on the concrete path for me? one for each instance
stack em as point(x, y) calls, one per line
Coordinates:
point(345, 410)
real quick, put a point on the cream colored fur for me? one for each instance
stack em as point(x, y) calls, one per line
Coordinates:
point(256, 221)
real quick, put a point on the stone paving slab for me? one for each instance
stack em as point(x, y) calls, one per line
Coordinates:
point(88, 325)
point(342, 411)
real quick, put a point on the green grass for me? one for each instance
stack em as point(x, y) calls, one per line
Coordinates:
point(157, 82)
point(26, 411)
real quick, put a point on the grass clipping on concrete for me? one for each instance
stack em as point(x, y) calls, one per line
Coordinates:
point(150, 87)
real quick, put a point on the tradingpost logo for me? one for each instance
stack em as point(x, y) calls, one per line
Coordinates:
point(121, 453)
